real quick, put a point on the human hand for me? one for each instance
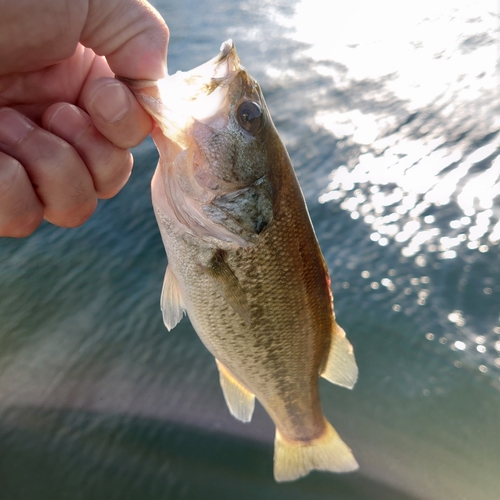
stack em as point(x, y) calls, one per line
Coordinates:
point(65, 123)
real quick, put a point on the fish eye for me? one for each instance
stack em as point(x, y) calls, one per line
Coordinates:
point(250, 116)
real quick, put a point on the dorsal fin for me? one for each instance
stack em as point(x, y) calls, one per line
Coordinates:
point(239, 400)
point(340, 367)
point(171, 301)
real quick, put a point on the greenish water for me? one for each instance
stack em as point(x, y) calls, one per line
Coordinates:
point(393, 134)
point(146, 459)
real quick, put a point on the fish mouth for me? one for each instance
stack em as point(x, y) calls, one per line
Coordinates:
point(176, 101)
point(211, 69)
point(227, 50)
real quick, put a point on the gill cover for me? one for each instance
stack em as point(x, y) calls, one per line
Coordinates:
point(214, 161)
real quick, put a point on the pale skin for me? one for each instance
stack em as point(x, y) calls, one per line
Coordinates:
point(66, 125)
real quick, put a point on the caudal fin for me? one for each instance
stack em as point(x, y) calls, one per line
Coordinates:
point(294, 459)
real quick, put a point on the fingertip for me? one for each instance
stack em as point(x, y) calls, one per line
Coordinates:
point(111, 184)
point(116, 113)
point(74, 217)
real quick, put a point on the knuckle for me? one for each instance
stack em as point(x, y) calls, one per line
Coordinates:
point(62, 154)
point(46, 157)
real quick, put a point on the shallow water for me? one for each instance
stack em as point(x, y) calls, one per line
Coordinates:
point(390, 114)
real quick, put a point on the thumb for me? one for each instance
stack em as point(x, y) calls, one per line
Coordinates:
point(132, 36)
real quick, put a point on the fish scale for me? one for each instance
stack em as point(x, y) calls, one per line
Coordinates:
point(243, 259)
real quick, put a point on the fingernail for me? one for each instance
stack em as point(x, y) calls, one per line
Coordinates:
point(68, 121)
point(110, 102)
point(13, 127)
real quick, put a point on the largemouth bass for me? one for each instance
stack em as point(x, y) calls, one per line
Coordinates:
point(243, 259)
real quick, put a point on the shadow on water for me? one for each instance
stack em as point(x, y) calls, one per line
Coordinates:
point(60, 454)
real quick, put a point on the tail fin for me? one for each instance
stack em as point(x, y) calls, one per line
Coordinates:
point(294, 459)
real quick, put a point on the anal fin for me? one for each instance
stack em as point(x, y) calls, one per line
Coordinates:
point(340, 367)
point(240, 401)
point(172, 304)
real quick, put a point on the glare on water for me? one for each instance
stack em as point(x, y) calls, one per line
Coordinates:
point(421, 143)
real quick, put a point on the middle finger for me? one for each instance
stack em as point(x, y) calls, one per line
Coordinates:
point(60, 179)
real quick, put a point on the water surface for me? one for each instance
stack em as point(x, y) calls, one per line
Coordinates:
point(389, 111)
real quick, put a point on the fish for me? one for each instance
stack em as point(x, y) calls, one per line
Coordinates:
point(244, 262)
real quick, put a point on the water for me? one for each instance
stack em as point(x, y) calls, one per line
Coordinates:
point(390, 113)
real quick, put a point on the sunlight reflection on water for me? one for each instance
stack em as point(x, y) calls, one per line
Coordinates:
point(423, 169)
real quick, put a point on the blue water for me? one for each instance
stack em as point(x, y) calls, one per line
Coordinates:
point(390, 114)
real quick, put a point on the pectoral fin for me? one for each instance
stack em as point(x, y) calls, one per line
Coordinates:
point(171, 301)
point(228, 285)
point(239, 400)
point(341, 368)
